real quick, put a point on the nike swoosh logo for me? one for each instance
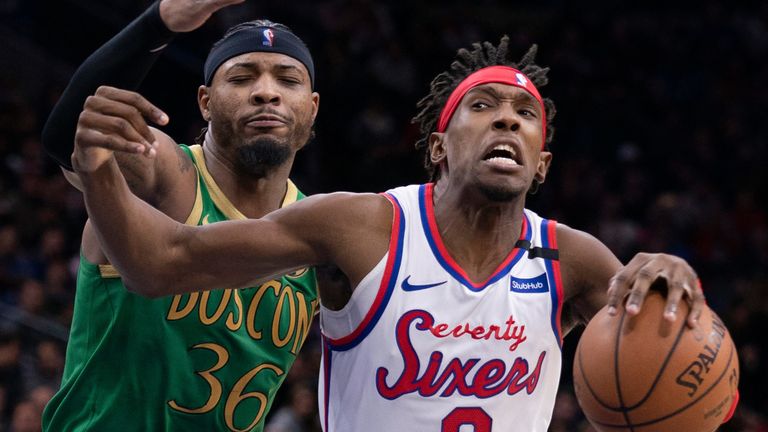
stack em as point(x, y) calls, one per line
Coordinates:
point(417, 287)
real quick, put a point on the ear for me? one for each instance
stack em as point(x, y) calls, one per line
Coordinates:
point(315, 105)
point(203, 100)
point(542, 167)
point(437, 152)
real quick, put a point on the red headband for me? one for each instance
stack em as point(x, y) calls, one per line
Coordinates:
point(491, 74)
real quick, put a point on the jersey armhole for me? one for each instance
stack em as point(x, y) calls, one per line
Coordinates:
point(549, 241)
point(391, 269)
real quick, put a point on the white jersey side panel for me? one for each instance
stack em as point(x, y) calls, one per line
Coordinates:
point(420, 347)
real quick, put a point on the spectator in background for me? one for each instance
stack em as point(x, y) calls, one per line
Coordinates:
point(11, 377)
point(300, 413)
point(26, 417)
point(44, 369)
point(700, 131)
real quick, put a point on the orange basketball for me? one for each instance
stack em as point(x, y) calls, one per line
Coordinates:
point(645, 373)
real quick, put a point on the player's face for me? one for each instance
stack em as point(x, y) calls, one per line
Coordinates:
point(261, 108)
point(494, 141)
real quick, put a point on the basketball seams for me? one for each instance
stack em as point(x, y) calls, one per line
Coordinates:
point(621, 400)
point(617, 373)
point(726, 369)
point(664, 365)
point(586, 382)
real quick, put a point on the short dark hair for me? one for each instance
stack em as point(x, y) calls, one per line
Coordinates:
point(482, 56)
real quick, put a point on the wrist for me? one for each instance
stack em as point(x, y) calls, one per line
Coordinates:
point(88, 162)
point(154, 29)
point(104, 178)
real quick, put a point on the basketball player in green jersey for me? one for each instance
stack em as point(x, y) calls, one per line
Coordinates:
point(208, 360)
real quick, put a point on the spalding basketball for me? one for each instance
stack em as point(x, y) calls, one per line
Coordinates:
point(645, 373)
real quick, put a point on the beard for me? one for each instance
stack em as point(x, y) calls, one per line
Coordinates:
point(261, 155)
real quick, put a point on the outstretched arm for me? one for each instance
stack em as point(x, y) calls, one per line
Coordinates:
point(123, 62)
point(158, 256)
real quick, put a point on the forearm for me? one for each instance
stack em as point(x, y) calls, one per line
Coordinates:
point(137, 239)
point(122, 62)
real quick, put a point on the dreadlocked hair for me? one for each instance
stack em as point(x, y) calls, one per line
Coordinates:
point(467, 62)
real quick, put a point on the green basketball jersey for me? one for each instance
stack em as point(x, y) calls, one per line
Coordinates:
point(205, 361)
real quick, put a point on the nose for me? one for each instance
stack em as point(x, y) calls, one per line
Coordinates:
point(265, 91)
point(506, 119)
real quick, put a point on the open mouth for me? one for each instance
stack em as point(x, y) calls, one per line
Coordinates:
point(502, 154)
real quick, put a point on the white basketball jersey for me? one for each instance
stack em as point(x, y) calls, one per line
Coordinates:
point(420, 347)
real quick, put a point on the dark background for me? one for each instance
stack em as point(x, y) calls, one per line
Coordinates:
point(660, 146)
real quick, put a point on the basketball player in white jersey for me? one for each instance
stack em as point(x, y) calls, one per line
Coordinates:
point(461, 295)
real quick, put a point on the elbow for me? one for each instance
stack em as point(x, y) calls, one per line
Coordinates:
point(51, 141)
point(146, 289)
point(154, 283)
point(165, 269)
point(149, 281)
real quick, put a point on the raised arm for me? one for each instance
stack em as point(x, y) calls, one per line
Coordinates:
point(122, 62)
point(587, 266)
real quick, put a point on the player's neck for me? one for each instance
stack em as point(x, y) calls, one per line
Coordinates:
point(253, 196)
point(477, 211)
point(478, 235)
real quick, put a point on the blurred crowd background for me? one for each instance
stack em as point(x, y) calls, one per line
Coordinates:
point(661, 145)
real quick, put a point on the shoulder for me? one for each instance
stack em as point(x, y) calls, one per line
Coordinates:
point(167, 147)
point(583, 258)
point(173, 177)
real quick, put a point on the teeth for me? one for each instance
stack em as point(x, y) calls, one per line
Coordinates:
point(504, 147)
point(503, 160)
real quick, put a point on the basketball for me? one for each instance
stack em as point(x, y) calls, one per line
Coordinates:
point(645, 373)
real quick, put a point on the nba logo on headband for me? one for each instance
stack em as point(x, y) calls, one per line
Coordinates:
point(521, 79)
point(268, 37)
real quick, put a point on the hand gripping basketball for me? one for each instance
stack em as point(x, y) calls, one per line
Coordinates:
point(636, 278)
point(642, 373)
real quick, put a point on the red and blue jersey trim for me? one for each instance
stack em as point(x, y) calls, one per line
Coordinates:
point(326, 379)
point(429, 224)
point(549, 240)
point(386, 286)
point(374, 313)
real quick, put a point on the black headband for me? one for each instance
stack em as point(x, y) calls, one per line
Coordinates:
point(259, 39)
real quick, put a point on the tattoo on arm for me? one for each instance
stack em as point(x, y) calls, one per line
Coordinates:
point(185, 162)
point(137, 174)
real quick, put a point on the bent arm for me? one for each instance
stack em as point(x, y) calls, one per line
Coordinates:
point(122, 62)
point(587, 266)
point(594, 278)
